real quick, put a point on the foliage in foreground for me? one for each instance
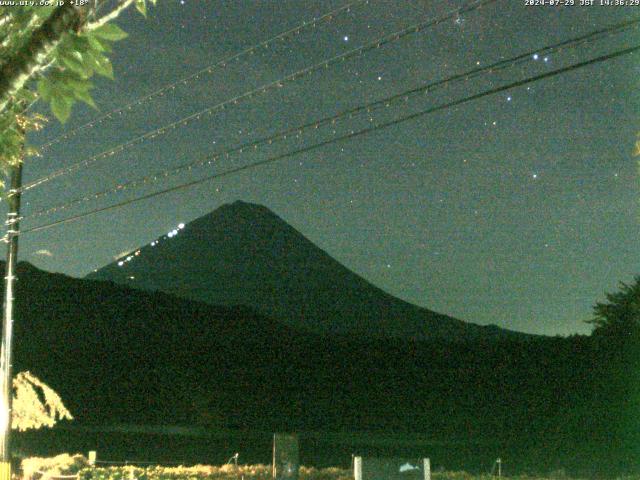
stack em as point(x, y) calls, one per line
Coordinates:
point(55, 50)
point(65, 464)
point(35, 404)
point(49, 468)
point(206, 472)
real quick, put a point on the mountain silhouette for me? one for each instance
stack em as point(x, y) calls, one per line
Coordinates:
point(244, 254)
point(121, 355)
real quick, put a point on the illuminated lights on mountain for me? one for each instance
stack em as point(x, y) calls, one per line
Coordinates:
point(137, 253)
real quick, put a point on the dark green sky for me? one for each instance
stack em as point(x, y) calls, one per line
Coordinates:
point(519, 209)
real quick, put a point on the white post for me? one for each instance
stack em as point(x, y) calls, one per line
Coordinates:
point(499, 461)
point(426, 466)
point(357, 468)
point(93, 457)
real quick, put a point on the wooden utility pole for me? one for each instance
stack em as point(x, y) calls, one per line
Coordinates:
point(6, 382)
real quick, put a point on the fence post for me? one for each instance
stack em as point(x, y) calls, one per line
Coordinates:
point(93, 456)
point(426, 465)
point(357, 468)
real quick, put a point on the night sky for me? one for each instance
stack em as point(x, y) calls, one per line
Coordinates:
point(519, 209)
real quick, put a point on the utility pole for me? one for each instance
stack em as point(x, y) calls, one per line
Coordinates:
point(6, 383)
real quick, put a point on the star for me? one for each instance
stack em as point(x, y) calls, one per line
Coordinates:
point(346, 38)
point(508, 99)
point(536, 56)
point(535, 175)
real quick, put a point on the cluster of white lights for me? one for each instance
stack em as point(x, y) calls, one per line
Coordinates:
point(174, 232)
point(128, 258)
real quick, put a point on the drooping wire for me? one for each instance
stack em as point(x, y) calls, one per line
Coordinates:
point(331, 120)
point(259, 90)
point(206, 70)
point(348, 136)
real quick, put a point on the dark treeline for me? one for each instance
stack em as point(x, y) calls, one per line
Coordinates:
point(118, 355)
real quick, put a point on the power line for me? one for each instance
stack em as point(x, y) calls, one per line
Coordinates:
point(207, 70)
point(259, 90)
point(351, 135)
point(368, 108)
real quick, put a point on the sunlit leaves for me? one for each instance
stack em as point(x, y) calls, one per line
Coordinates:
point(35, 404)
point(47, 468)
point(141, 6)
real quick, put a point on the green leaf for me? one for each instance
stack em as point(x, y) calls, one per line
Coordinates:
point(102, 66)
point(85, 96)
point(75, 64)
point(80, 43)
point(141, 6)
point(110, 31)
point(61, 107)
point(45, 89)
point(60, 86)
point(98, 45)
point(73, 83)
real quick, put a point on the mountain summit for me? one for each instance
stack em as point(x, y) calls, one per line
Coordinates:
point(244, 254)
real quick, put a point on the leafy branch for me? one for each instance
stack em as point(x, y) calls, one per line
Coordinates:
point(59, 50)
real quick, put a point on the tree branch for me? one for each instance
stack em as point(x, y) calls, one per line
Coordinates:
point(32, 22)
point(24, 64)
point(123, 5)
